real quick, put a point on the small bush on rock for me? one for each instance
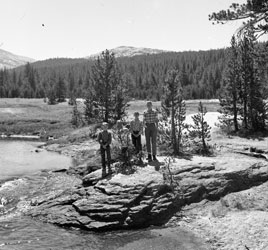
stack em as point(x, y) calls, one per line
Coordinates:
point(200, 131)
point(124, 151)
point(169, 178)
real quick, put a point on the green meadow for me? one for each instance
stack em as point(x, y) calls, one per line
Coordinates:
point(30, 116)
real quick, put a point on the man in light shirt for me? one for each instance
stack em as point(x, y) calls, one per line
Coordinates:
point(150, 120)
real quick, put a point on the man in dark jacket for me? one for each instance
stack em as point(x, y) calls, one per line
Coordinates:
point(105, 139)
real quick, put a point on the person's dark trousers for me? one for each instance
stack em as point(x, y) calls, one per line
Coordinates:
point(106, 151)
point(136, 140)
point(150, 136)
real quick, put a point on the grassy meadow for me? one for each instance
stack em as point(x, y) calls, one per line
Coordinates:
point(191, 106)
point(30, 116)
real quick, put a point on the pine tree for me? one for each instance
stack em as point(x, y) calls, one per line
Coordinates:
point(120, 98)
point(76, 120)
point(180, 117)
point(2, 84)
point(60, 90)
point(52, 100)
point(91, 111)
point(71, 88)
point(72, 98)
point(200, 129)
point(229, 100)
point(29, 80)
point(108, 88)
point(262, 62)
point(245, 90)
point(171, 101)
point(251, 87)
point(254, 12)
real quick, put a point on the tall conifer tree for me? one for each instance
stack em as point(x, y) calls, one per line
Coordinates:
point(252, 87)
point(229, 100)
point(108, 87)
point(172, 105)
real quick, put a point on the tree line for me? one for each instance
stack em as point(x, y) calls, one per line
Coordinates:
point(244, 93)
point(201, 74)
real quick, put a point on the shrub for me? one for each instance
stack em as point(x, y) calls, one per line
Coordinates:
point(200, 131)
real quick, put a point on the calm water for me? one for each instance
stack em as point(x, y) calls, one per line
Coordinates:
point(20, 158)
point(22, 176)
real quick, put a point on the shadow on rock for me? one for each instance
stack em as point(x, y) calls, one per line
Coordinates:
point(156, 164)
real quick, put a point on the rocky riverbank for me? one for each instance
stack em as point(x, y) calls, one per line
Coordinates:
point(238, 221)
point(120, 202)
point(231, 208)
point(220, 198)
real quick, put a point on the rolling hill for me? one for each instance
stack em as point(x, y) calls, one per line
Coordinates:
point(9, 60)
point(129, 51)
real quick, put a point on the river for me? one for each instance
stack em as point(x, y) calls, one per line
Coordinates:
point(23, 169)
point(19, 158)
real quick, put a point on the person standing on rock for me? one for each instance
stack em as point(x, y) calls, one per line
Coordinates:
point(150, 120)
point(136, 129)
point(105, 139)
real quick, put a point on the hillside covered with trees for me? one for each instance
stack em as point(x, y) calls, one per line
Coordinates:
point(201, 73)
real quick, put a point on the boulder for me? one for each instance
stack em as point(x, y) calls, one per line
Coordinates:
point(120, 202)
point(253, 199)
point(149, 197)
point(92, 178)
point(213, 177)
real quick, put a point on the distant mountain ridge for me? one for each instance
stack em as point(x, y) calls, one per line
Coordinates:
point(10, 60)
point(129, 51)
point(119, 52)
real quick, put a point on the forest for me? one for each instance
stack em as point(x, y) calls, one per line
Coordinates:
point(201, 72)
point(201, 75)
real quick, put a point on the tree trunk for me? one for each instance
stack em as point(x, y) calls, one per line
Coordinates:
point(106, 118)
point(173, 130)
point(245, 118)
point(179, 138)
point(235, 116)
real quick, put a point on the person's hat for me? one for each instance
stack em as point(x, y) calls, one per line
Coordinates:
point(136, 113)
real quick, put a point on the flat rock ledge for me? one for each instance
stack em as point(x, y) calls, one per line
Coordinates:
point(120, 202)
point(148, 197)
point(212, 178)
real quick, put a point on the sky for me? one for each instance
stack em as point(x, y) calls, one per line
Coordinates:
point(42, 29)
